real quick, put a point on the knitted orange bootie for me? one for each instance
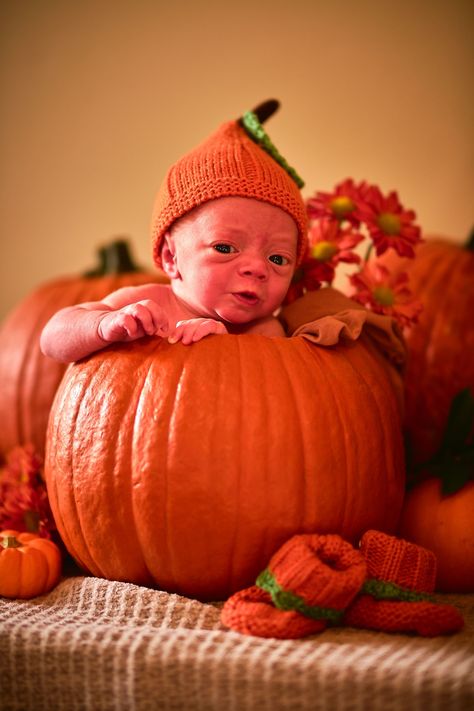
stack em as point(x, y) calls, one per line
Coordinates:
point(400, 576)
point(307, 585)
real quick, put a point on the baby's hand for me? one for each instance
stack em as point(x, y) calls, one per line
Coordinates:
point(144, 318)
point(194, 329)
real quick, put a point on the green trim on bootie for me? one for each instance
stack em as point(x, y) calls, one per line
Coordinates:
point(287, 600)
point(385, 590)
point(256, 131)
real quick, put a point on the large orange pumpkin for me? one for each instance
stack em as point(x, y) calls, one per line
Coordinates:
point(441, 346)
point(28, 378)
point(186, 467)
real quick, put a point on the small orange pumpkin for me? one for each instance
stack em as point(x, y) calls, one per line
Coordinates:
point(28, 378)
point(29, 565)
point(444, 525)
point(438, 513)
point(193, 464)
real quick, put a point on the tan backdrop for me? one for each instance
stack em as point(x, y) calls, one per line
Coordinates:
point(98, 97)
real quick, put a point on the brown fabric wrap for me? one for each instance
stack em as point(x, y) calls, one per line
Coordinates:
point(327, 317)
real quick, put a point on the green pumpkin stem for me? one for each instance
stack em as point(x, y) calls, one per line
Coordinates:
point(114, 258)
point(10, 542)
point(453, 463)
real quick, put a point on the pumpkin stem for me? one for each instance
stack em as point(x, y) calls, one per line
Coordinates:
point(10, 542)
point(470, 242)
point(114, 258)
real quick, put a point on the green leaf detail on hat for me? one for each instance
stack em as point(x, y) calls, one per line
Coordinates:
point(257, 133)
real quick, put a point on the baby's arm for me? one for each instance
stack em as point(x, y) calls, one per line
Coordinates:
point(125, 315)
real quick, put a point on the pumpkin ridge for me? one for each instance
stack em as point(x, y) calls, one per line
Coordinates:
point(125, 449)
point(52, 483)
point(433, 321)
point(114, 456)
point(173, 426)
point(232, 572)
point(276, 348)
point(377, 375)
point(431, 285)
point(446, 313)
point(24, 314)
point(81, 463)
point(351, 465)
point(34, 363)
point(298, 411)
point(136, 455)
point(72, 509)
point(169, 405)
point(308, 511)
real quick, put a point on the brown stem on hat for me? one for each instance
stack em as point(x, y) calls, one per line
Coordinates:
point(264, 110)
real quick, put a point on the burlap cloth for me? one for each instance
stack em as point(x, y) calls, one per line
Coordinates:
point(95, 644)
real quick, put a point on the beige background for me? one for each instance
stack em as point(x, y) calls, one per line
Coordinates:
point(97, 98)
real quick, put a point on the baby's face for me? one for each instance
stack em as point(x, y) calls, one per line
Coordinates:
point(234, 259)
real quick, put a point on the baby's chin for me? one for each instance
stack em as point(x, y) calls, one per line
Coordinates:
point(237, 319)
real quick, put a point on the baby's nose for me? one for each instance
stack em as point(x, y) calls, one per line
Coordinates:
point(254, 266)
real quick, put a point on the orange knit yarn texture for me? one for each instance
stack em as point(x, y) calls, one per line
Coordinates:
point(252, 612)
point(323, 572)
point(228, 163)
point(412, 567)
point(312, 578)
point(398, 561)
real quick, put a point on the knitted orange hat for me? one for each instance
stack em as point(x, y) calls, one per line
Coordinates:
point(230, 163)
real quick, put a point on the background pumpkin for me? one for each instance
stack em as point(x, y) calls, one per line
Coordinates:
point(445, 525)
point(439, 509)
point(29, 565)
point(28, 378)
point(440, 347)
point(187, 467)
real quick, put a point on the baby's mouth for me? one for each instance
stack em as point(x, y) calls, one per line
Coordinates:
point(247, 297)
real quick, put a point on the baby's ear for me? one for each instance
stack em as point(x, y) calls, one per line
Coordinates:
point(168, 257)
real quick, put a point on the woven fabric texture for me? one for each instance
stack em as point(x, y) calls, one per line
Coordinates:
point(100, 645)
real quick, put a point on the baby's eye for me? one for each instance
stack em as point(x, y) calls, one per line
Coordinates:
point(224, 248)
point(278, 259)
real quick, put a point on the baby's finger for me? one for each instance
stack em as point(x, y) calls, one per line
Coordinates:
point(208, 327)
point(127, 323)
point(159, 321)
point(141, 314)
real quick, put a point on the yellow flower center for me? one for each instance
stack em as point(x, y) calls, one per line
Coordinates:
point(384, 296)
point(389, 223)
point(323, 251)
point(341, 206)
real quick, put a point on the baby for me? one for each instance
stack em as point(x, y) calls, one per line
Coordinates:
point(229, 230)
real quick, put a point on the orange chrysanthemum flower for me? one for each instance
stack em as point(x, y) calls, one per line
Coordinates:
point(388, 223)
point(384, 293)
point(329, 245)
point(24, 504)
point(340, 205)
